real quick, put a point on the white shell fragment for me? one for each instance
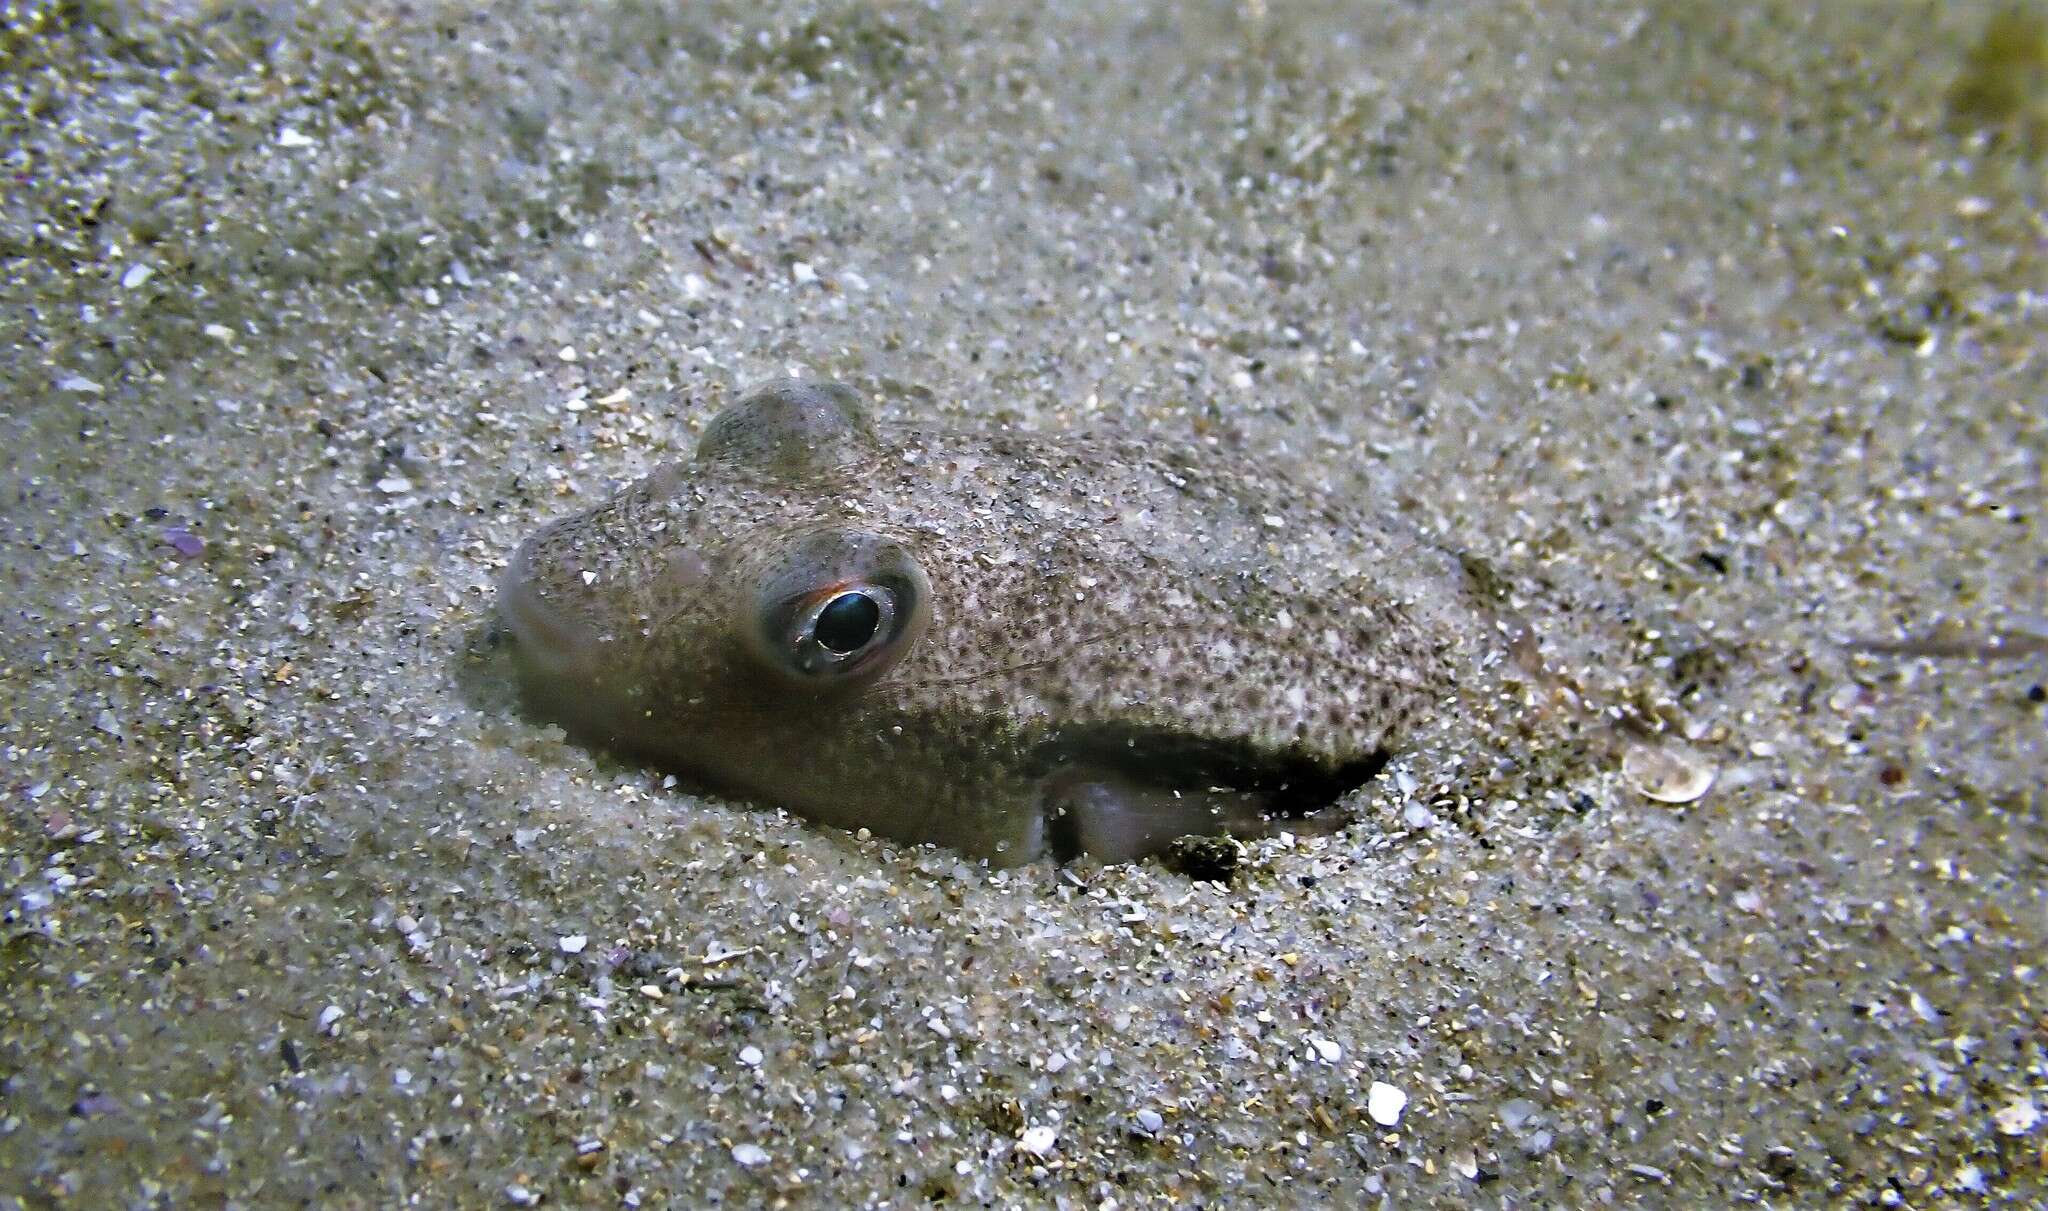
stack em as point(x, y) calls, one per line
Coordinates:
point(752, 1156)
point(1668, 774)
point(1385, 1104)
point(1037, 1141)
point(2018, 1118)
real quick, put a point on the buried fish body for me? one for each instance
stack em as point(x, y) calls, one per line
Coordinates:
point(1022, 646)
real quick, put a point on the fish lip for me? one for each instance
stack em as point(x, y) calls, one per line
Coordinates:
point(1301, 782)
point(1282, 787)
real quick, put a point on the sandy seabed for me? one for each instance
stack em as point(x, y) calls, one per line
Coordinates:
point(1716, 331)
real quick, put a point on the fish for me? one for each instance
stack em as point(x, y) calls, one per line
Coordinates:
point(1023, 646)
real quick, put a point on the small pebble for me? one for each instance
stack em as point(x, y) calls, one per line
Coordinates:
point(752, 1156)
point(185, 542)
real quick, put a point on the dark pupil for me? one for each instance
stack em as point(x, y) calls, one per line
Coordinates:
point(847, 622)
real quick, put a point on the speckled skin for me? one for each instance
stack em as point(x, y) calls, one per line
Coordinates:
point(1113, 621)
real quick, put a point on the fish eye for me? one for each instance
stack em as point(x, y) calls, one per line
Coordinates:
point(849, 621)
point(836, 627)
point(838, 606)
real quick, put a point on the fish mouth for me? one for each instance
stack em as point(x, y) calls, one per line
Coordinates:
point(546, 643)
point(1122, 792)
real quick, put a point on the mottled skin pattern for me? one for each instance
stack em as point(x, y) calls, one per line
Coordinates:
point(1116, 624)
